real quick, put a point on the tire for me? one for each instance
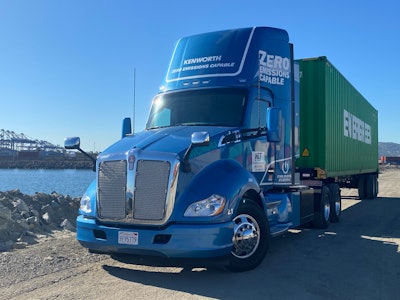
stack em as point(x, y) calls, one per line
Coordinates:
point(368, 186)
point(371, 186)
point(376, 185)
point(335, 202)
point(250, 237)
point(362, 187)
point(322, 209)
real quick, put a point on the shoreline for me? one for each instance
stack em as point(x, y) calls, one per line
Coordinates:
point(81, 164)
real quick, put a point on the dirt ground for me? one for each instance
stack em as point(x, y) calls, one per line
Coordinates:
point(357, 258)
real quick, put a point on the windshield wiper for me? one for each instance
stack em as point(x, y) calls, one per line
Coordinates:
point(157, 127)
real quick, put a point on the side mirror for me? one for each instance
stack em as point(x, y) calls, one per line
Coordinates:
point(274, 119)
point(126, 127)
point(75, 144)
point(72, 143)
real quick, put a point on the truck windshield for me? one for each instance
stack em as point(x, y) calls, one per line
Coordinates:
point(211, 107)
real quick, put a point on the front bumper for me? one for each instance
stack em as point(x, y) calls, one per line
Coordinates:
point(173, 241)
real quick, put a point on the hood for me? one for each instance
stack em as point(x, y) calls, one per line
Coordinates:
point(169, 139)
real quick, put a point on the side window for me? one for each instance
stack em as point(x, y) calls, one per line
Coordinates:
point(259, 152)
point(263, 100)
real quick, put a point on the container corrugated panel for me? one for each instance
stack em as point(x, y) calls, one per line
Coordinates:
point(338, 126)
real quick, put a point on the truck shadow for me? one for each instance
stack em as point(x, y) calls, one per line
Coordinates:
point(359, 257)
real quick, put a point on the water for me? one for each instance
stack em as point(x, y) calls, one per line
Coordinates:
point(66, 182)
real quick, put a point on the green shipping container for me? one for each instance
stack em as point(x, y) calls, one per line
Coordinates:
point(338, 126)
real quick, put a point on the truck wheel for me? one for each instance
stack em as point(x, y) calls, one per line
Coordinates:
point(336, 202)
point(361, 187)
point(376, 184)
point(322, 209)
point(371, 186)
point(250, 237)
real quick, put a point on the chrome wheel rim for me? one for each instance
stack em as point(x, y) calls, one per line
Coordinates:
point(246, 236)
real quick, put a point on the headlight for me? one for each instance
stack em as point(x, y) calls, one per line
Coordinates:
point(86, 206)
point(211, 206)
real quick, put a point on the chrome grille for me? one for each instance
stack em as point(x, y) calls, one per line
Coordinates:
point(151, 188)
point(112, 189)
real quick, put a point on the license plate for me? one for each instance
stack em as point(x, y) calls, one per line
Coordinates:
point(128, 238)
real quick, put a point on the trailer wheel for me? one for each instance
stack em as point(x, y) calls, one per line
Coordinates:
point(336, 202)
point(250, 237)
point(368, 186)
point(371, 186)
point(362, 186)
point(376, 183)
point(322, 209)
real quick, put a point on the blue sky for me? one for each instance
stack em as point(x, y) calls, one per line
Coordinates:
point(66, 67)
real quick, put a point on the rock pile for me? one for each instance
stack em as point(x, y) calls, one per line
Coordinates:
point(24, 218)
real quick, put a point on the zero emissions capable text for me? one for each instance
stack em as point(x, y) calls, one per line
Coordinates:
point(274, 69)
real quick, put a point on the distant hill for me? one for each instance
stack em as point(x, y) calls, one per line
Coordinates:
point(388, 149)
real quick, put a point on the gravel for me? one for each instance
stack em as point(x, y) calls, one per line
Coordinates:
point(37, 236)
point(24, 219)
point(53, 253)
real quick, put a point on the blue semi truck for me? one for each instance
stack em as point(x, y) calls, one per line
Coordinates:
point(214, 174)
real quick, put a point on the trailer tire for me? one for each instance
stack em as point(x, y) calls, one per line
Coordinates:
point(322, 209)
point(336, 202)
point(362, 186)
point(368, 186)
point(371, 186)
point(376, 183)
point(250, 237)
